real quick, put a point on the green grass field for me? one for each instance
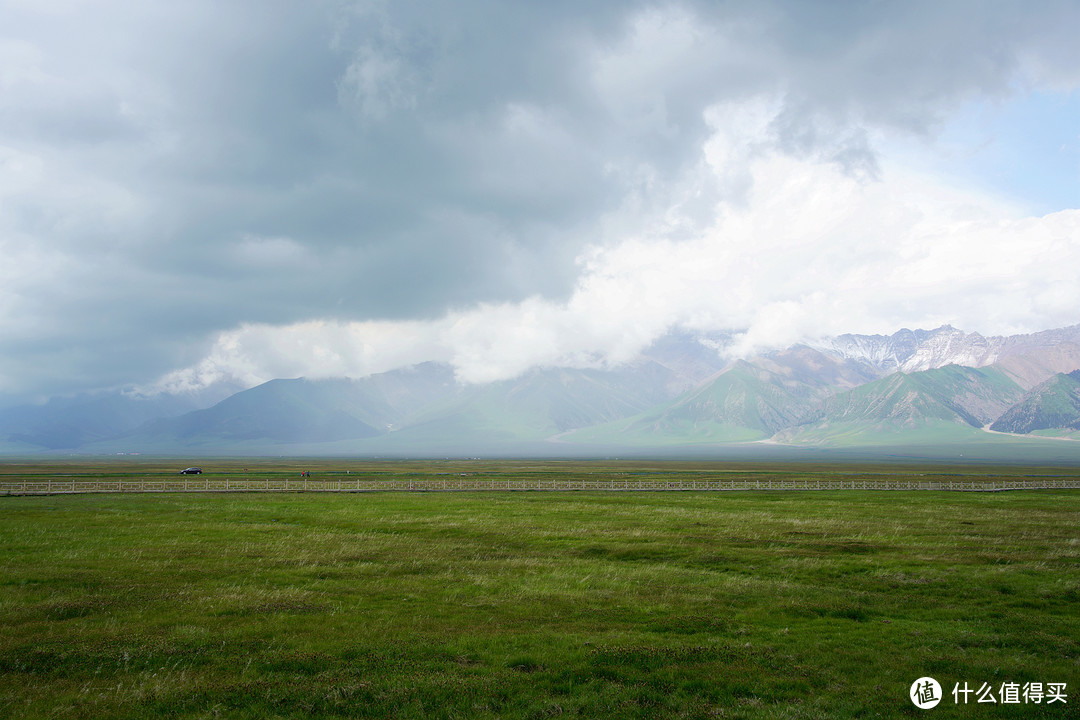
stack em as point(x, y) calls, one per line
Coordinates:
point(535, 605)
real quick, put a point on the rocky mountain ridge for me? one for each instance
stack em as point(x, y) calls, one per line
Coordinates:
point(917, 350)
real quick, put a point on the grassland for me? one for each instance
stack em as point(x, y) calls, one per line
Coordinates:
point(532, 605)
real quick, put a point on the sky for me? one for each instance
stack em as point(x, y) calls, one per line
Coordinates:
point(203, 192)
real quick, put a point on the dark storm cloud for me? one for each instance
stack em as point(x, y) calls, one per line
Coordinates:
point(171, 170)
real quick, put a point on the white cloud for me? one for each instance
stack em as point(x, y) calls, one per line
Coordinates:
point(807, 250)
point(255, 353)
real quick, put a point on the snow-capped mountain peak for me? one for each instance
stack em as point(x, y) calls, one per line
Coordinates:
point(915, 350)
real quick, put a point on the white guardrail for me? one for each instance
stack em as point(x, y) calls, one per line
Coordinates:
point(47, 486)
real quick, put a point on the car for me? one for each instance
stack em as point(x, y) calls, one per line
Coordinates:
point(191, 471)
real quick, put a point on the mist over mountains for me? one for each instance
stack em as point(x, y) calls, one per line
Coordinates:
point(911, 388)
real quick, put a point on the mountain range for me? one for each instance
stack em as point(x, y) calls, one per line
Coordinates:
point(914, 388)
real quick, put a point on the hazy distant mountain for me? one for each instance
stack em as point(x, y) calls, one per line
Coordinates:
point(1053, 404)
point(304, 411)
point(280, 411)
point(72, 422)
point(540, 404)
point(688, 359)
point(934, 386)
point(419, 406)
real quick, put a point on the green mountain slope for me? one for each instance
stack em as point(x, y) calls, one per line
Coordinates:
point(949, 404)
point(1055, 404)
point(744, 396)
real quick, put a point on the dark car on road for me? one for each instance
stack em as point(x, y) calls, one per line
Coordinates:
point(191, 471)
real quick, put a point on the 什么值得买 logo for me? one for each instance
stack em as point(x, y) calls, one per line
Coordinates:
point(925, 693)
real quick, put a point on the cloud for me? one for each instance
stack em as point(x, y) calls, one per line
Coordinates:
point(182, 182)
point(807, 251)
point(377, 84)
